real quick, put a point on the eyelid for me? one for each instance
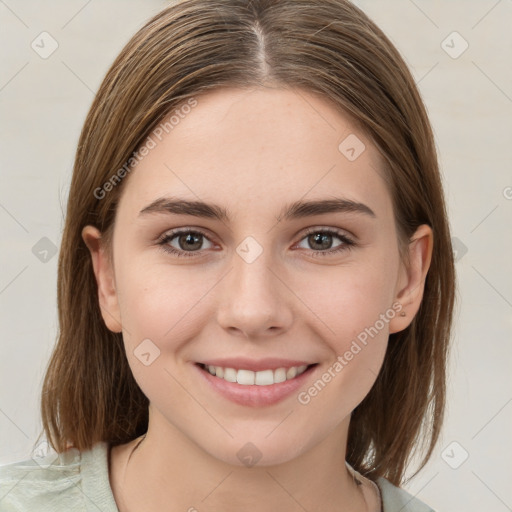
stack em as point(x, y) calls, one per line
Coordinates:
point(331, 229)
point(206, 233)
point(184, 229)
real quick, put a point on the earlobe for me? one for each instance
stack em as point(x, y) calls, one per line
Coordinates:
point(411, 282)
point(104, 274)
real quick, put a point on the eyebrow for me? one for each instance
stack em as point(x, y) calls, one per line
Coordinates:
point(296, 210)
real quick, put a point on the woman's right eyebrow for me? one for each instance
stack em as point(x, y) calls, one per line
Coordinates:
point(296, 210)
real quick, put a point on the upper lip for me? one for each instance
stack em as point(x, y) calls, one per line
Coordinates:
point(242, 363)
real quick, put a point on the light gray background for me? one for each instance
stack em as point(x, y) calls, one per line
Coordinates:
point(43, 103)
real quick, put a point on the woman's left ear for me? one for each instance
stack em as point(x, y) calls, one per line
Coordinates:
point(411, 280)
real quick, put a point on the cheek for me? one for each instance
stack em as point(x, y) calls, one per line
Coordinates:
point(348, 300)
point(160, 302)
point(355, 308)
point(160, 312)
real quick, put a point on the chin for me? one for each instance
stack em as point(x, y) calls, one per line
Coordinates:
point(256, 452)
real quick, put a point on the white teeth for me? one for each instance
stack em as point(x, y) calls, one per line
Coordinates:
point(261, 378)
point(229, 374)
point(291, 372)
point(264, 378)
point(279, 375)
point(245, 377)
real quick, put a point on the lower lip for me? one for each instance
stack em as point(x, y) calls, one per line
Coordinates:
point(255, 396)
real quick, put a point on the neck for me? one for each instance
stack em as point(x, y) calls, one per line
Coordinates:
point(165, 470)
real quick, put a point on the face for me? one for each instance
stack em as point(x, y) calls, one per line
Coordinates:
point(269, 285)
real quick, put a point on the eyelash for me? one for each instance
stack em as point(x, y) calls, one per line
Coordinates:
point(167, 237)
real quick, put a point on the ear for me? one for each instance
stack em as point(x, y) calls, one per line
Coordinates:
point(411, 280)
point(104, 278)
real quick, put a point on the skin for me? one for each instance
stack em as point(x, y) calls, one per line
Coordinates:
point(252, 151)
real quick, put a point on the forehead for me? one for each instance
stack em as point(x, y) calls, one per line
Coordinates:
point(258, 148)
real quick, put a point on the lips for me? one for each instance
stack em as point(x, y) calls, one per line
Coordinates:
point(254, 395)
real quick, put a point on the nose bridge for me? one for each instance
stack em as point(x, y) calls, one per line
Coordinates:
point(254, 273)
point(253, 298)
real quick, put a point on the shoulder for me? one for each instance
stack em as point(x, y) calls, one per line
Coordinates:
point(71, 481)
point(39, 483)
point(395, 499)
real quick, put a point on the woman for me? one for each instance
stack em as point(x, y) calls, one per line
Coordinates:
point(256, 277)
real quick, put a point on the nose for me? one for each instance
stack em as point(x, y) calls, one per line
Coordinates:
point(255, 301)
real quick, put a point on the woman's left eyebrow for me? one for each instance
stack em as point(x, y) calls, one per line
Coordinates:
point(296, 210)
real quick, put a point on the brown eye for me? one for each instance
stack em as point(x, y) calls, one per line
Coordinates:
point(320, 242)
point(189, 241)
point(186, 241)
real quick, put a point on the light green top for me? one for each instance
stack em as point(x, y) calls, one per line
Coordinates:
point(79, 482)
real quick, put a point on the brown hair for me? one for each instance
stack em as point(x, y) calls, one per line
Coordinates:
point(330, 48)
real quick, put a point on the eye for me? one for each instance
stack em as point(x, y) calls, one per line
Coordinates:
point(188, 241)
point(321, 241)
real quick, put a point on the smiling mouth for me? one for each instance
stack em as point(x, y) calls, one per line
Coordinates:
point(260, 378)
